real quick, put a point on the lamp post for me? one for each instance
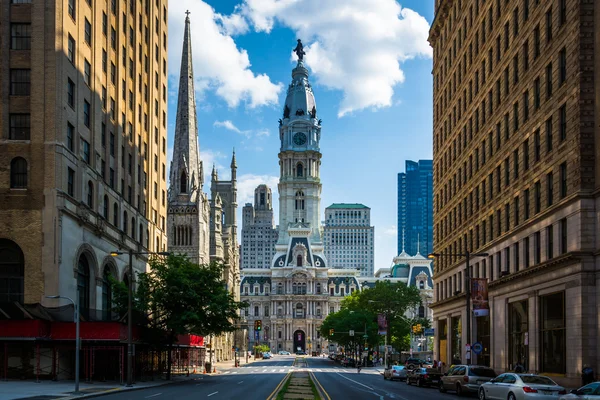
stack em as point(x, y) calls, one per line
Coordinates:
point(130, 307)
point(467, 256)
point(77, 339)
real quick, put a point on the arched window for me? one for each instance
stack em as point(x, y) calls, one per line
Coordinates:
point(299, 260)
point(421, 285)
point(18, 173)
point(105, 211)
point(106, 294)
point(12, 272)
point(421, 312)
point(299, 200)
point(141, 238)
point(299, 170)
point(133, 228)
point(126, 280)
point(90, 195)
point(116, 215)
point(125, 222)
point(83, 285)
point(183, 182)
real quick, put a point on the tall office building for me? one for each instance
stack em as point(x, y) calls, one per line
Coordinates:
point(516, 157)
point(83, 123)
point(259, 234)
point(349, 237)
point(415, 207)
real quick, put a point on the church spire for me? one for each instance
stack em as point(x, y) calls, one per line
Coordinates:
point(186, 177)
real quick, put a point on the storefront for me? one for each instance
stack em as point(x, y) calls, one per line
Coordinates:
point(518, 335)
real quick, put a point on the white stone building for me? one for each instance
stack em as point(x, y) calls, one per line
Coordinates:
point(349, 237)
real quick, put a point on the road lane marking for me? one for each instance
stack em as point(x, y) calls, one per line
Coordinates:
point(281, 370)
point(352, 380)
point(320, 386)
point(154, 395)
point(273, 370)
point(272, 395)
point(240, 382)
point(212, 394)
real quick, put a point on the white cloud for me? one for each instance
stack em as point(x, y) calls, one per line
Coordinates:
point(219, 64)
point(227, 125)
point(219, 160)
point(263, 132)
point(248, 182)
point(356, 46)
point(391, 231)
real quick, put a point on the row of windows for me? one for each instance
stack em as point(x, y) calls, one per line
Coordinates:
point(487, 229)
point(511, 259)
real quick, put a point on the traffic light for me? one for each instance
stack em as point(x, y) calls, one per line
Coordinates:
point(331, 332)
point(259, 325)
point(256, 325)
point(418, 327)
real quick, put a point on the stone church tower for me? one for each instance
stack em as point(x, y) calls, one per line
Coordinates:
point(203, 229)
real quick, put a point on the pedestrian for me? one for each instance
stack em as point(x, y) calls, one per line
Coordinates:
point(428, 359)
point(519, 369)
point(587, 375)
point(435, 364)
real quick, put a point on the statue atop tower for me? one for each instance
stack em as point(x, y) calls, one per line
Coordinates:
point(299, 50)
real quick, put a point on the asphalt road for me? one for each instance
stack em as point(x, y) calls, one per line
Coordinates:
point(253, 381)
point(346, 384)
point(258, 381)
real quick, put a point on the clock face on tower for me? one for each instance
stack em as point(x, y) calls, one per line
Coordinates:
point(299, 138)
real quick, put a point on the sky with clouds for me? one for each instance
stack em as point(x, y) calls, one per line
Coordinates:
point(370, 66)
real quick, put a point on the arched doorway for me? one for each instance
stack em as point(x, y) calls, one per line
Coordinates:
point(299, 341)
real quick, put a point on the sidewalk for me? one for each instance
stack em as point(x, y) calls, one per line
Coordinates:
point(51, 390)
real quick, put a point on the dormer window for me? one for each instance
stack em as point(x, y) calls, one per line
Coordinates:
point(299, 260)
point(421, 285)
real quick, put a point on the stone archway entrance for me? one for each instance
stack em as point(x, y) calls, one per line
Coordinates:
point(299, 341)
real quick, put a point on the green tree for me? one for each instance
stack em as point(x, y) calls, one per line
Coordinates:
point(179, 297)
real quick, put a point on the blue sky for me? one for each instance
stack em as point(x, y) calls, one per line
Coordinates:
point(370, 68)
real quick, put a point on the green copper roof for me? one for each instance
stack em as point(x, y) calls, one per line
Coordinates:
point(347, 205)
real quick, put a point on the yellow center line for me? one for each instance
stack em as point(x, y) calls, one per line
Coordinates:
point(274, 393)
point(320, 386)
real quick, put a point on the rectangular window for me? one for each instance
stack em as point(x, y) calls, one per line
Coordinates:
point(563, 236)
point(548, 81)
point(563, 122)
point(536, 93)
point(70, 92)
point(113, 73)
point(71, 49)
point(516, 69)
point(526, 205)
point(563, 12)
point(86, 113)
point(550, 189)
point(562, 65)
point(538, 196)
point(506, 217)
point(549, 25)
point(20, 36)
point(526, 55)
point(103, 133)
point(550, 242)
point(516, 210)
point(526, 251)
point(113, 38)
point(553, 333)
point(86, 150)
point(516, 117)
point(536, 42)
point(104, 23)
point(526, 106)
point(104, 61)
point(88, 32)
point(112, 144)
point(526, 154)
point(70, 182)
point(536, 145)
point(537, 254)
point(516, 163)
point(87, 72)
point(563, 180)
point(20, 82)
point(111, 178)
point(70, 135)
point(549, 135)
point(507, 260)
point(72, 9)
point(20, 126)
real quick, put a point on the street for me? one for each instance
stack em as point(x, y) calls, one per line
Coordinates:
point(257, 381)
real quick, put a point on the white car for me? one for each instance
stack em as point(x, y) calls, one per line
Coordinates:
point(283, 353)
point(395, 372)
point(587, 392)
point(512, 386)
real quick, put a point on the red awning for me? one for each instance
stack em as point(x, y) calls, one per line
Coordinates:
point(28, 329)
point(190, 340)
point(113, 331)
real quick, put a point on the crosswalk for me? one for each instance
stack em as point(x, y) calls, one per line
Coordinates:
point(286, 369)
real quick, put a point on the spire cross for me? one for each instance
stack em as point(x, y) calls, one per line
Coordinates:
point(187, 13)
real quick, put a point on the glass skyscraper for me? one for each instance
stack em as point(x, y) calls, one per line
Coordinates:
point(415, 207)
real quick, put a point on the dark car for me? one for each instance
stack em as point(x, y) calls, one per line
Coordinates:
point(412, 363)
point(424, 377)
point(300, 353)
point(466, 378)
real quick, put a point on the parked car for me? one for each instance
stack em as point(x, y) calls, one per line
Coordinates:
point(520, 387)
point(466, 378)
point(424, 377)
point(587, 392)
point(283, 353)
point(300, 353)
point(395, 372)
point(349, 362)
point(414, 363)
point(267, 355)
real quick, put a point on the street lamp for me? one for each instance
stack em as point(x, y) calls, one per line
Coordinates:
point(467, 256)
point(129, 306)
point(77, 340)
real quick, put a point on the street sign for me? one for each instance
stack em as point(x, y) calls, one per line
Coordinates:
point(429, 332)
point(351, 333)
point(477, 348)
point(468, 347)
point(468, 355)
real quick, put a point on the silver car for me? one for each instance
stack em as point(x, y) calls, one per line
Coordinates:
point(587, 392)
point(395, 372)
point(466, 378)
point(521, 387)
